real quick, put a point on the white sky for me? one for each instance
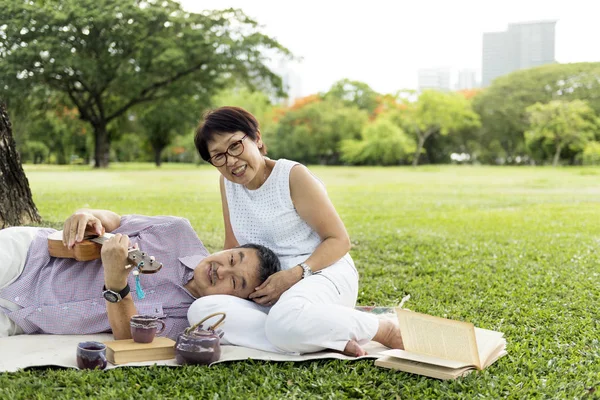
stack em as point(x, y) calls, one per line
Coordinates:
point(384, 42)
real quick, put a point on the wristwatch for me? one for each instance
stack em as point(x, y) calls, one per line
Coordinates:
point(115, 297)
point(306, 271)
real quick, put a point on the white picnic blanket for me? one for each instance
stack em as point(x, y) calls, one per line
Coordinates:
point(22, 351)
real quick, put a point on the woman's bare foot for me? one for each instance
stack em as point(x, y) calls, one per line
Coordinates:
point(353, 349)
point(389, 335)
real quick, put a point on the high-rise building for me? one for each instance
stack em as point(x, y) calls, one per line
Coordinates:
point(522, 45)
point(290, 80)
point(434, 78)
point(467, 79)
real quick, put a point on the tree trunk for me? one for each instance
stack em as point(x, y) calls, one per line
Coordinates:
point(102, 149)
point(418, 152)
point(16, 202)
point(157, 153)
point(556, 156)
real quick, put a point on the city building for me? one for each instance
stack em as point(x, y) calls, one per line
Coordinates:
point(434, 78)
point(523, 45)
point(467, 79)
point(291, 81)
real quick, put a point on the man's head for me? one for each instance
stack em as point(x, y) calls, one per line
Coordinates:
point(236, 272)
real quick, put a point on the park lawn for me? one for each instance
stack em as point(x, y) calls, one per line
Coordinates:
point(509, 249)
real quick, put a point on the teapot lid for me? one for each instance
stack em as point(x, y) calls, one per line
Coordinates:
point(201, 332)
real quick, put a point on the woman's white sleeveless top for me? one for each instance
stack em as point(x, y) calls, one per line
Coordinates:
point(267, 216)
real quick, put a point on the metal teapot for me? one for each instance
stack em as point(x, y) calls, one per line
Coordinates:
point(200, 346)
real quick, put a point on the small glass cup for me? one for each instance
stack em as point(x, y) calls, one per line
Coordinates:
point(91, 355)
point(145, 327)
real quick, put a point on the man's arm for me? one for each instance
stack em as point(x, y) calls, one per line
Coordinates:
point(119, 315)
point(114, 260)
point(84, 219)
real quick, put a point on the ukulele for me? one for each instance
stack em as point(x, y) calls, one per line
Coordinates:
point(89, 249)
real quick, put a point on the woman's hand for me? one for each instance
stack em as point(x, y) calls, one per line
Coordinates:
point(270, 290)
point(76, 225)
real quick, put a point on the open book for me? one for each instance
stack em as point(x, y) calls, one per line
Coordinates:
point(442, 348)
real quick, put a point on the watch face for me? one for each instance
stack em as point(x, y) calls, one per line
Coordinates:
point(306, 271)
point(111, 296)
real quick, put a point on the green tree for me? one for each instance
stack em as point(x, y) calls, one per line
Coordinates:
point(591, 153)
point(354, 93)
point(164, 120)
point(256, 102)
point(108, 56)
point(436, 112)
point(130, 147)
point(313, 132)
point(62, 132)
point(43, 117)
point(383, 143)
point(502, 106)
point(34, 151)
point(561, 124)
point(182, 150)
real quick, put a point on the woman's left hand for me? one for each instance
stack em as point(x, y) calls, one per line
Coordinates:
point(270, 290)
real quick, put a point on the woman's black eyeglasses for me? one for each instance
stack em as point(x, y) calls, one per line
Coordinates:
point(234, 150)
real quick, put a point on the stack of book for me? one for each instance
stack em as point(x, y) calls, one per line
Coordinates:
point(125, 351)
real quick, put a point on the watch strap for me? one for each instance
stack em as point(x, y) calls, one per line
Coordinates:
point(121, 294)
point(306, 270)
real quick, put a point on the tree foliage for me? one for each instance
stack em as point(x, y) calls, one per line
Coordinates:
point(502, 106)
point(383, 143)
point(436, 112)
point(256, 102)
point(354, 93)
point(165, 119)
point(591, 153)
point(560, 124)
point(108, 56)
point(313, 132)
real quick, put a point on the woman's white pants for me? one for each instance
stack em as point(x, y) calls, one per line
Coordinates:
point(315, 314)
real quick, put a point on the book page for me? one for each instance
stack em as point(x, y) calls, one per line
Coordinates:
point(439, 337)
point(425, 358)
point(500, 352)
point(433, 371)
point(488, 344)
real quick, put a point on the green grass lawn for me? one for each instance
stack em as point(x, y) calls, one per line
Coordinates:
point(509, 249)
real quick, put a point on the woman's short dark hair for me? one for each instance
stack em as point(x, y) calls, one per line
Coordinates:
point(268, 260)
point(225, 120)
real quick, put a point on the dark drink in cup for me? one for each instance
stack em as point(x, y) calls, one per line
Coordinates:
point(91, 355)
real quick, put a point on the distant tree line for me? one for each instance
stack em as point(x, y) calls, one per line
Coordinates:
point(126, 80)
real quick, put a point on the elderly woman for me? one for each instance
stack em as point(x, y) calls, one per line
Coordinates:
point(309, 305)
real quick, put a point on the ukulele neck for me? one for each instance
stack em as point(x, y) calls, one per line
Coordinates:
point(102, 239)
point(145, 263)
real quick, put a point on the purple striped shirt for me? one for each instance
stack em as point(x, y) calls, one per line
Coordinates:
point(64, 296)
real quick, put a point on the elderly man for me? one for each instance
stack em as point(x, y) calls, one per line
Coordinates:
point(44, 294)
